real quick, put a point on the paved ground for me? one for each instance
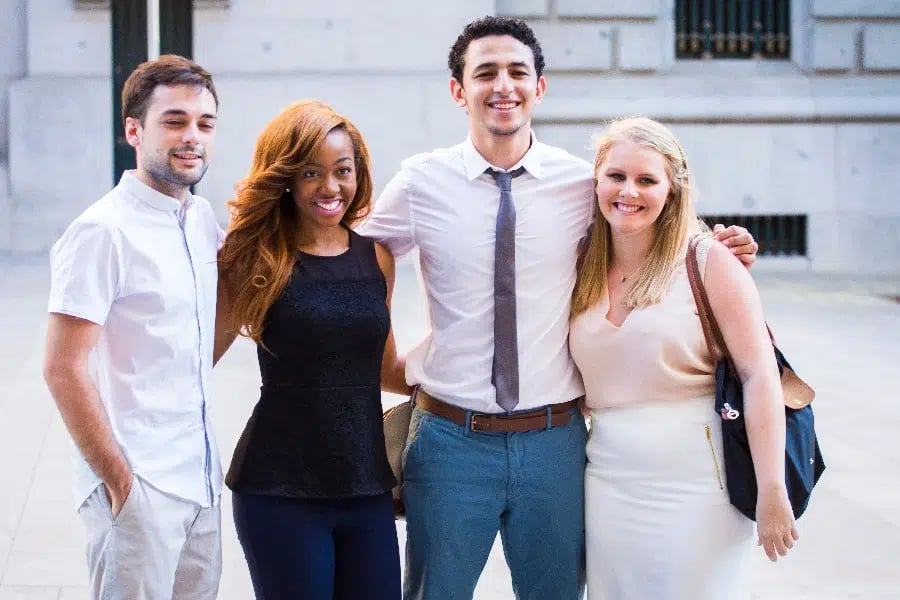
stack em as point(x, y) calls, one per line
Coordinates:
point(841, 334)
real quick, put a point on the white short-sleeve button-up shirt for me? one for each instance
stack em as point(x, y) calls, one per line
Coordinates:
point(143, 265)
point(445, 204)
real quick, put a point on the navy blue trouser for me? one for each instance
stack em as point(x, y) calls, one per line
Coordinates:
point(319, 549)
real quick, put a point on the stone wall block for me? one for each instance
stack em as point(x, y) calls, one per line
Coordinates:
point(760, 169)
point(856, 8)
point(880, 47)
point(64, 41)
point(395, 43)
point(60, 154)
point(866, 168)
point(609, 8)
point(640, 47)
point(290, 44)
point(522, 8)
point(834, 47)
point(575, 46)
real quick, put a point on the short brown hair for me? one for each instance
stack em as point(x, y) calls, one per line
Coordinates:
point(168, 69)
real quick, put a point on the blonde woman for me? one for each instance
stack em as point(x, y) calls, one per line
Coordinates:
point(657, 517)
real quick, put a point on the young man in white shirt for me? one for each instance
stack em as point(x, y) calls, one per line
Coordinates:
point(472, 467)
point(129, 349)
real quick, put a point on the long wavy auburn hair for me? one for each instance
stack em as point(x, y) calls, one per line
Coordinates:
point(258, 256)
point(672, 228)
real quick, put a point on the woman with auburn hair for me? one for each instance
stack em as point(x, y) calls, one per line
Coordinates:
point(311, 481)
point(658, 521)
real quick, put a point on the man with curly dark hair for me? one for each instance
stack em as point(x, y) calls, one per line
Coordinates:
point(493, 26)
point(474, 466)
point(496, 442)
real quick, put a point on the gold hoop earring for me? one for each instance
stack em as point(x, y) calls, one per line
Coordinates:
point(259, 281)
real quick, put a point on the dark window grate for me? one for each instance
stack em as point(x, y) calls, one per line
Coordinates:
point(777, 235)
point(732, 29)
point(104, 4)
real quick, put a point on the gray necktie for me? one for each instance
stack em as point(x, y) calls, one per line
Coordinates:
point(505, 369)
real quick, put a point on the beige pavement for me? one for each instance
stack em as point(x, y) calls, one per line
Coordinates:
point(840, 333)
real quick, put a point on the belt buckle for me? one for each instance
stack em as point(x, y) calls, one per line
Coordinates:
point(477, 424)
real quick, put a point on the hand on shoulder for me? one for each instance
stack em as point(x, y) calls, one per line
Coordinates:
point(739, 241)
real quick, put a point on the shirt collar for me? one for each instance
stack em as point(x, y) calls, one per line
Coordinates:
point(146, 194)
point(475, 164)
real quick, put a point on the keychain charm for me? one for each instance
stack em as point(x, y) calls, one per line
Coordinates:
point(728, 413)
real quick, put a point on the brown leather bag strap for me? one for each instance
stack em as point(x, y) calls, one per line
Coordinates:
point(797, 393)
point(714, 340)
point(711, 331)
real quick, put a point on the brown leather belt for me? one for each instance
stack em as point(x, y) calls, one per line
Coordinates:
point(526, 421)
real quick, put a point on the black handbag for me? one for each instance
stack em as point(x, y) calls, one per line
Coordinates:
point(803, 459)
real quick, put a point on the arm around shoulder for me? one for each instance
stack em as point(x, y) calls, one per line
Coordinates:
point(226, 331)
point(393, 367)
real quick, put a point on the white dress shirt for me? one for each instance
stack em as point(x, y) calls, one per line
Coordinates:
point(445, 204)
point(143, 265)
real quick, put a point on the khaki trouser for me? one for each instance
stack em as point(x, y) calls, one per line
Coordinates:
point(159, 547)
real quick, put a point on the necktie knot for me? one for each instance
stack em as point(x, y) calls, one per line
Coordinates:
point(504, 178)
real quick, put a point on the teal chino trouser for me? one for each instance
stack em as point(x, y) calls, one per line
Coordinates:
point(461, 487)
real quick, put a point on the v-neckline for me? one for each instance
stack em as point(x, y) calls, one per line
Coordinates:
point(606, 312)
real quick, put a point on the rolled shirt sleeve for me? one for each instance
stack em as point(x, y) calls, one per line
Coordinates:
point(84, 272)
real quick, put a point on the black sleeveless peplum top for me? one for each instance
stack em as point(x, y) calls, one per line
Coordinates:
point(316, 431)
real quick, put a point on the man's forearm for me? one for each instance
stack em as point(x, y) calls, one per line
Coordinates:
point(88, 424)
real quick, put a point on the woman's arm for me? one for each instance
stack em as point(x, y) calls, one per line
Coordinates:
point(225, 331)
point(393, 367)
point(737, 307)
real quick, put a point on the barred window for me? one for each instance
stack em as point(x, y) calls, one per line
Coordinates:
point(777, 235)
point(732, 29)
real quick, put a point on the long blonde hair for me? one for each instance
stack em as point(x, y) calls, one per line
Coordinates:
point(675, 224)
point(258, 255)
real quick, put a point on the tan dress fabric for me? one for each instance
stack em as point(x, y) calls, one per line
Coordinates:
point(658, 522)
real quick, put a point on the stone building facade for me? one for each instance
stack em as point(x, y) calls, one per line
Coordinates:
point(816, 136)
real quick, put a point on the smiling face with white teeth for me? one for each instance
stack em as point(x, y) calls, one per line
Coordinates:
point(326, 184)
point(632, 188)
point(174, 140)
point(499, 88)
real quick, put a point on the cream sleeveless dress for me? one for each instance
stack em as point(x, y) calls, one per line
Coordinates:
point(658, 524)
